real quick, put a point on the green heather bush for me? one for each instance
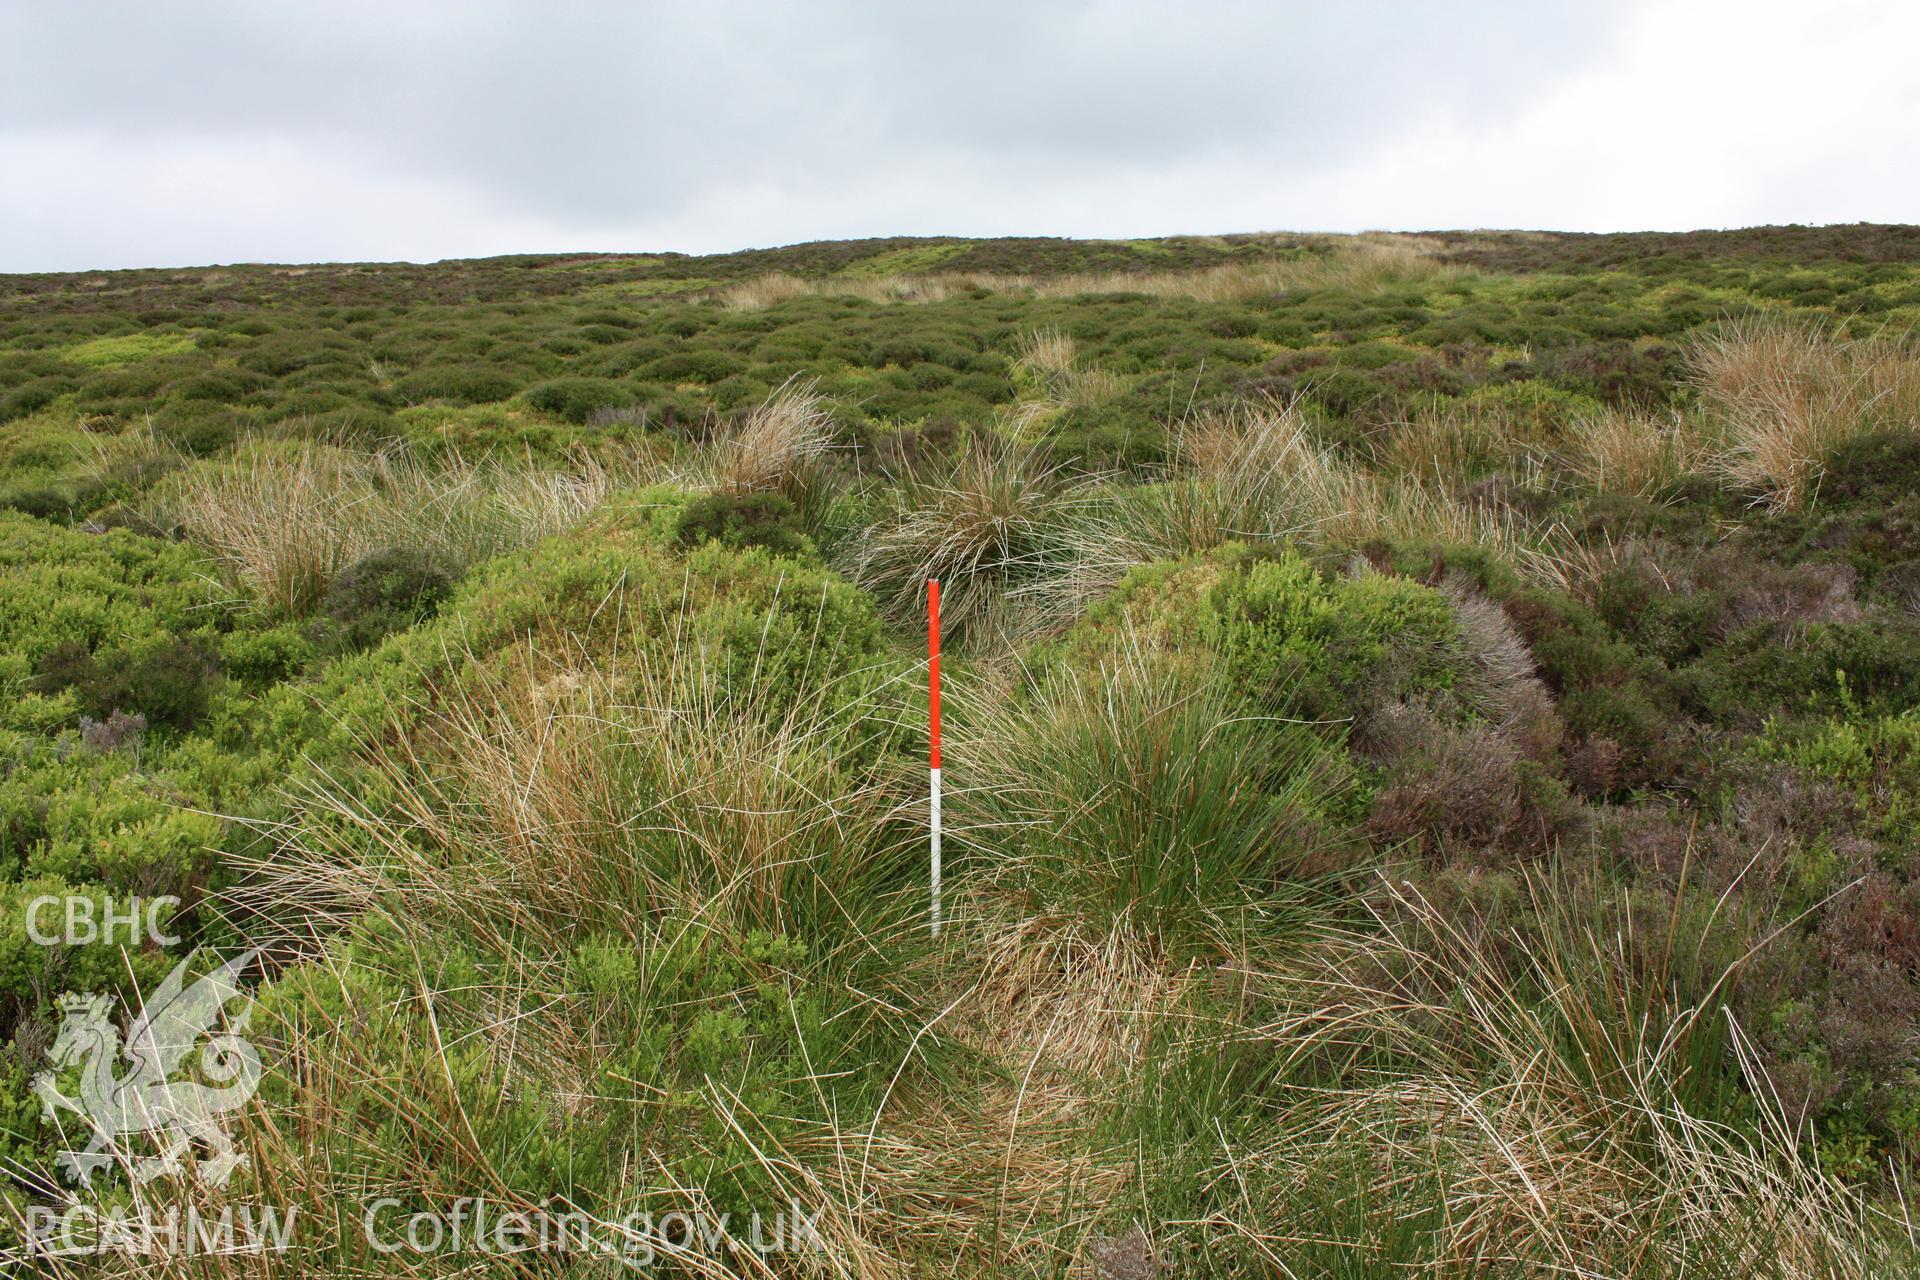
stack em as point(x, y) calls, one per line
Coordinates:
point(229, 387)
point(200, 431)
point(1819, 669)
point(1306, 643)
point(601, 334)
point(18, 368)
point(1120, 434)
point(1615, 371)
point(474, 431)
point(458, 384)
point(1876, 759)
point(261, 658)
point(385, 590)
point(576, 399)
point(767, 520)
point(332, 416)
point(625, 359)
point(280, 354)
point(32, 971)
point(1865, 516)
point(695, 366)
point(1623, 703)
point(31, 398)
point(1674, 626)
point(1879, 468)
point(1328, 648)
point(117, 591)
point(619, 585)
point(126, 391)
point(169, 680)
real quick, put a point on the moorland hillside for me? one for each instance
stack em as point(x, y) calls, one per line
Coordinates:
point(1433, 756)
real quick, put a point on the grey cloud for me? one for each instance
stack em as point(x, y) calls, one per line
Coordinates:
point(597, 113)
point(212, 130)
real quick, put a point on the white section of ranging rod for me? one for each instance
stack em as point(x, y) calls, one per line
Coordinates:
point(934, 836)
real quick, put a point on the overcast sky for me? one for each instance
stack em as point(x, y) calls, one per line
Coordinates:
point(184, 133)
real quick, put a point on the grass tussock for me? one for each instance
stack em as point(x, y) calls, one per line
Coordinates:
point(286, 520)
point(1635, 452)
point(1783, 394)
point(1145, 811)
point(995, 525)
point(1246, 471)
point(1254, 472)
point(1449, 442)
point(576, 798)
point(1250, 472)
point(1541, 1106)
point(1057, 380)
point(778, 446)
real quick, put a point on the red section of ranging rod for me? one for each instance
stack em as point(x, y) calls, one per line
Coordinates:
point(933, 671)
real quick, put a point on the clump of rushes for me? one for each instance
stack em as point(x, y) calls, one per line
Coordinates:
point(636, 934)
point(1051, 369)
point(993, 524)
point(1784, 394)
point(1144, 809)
point(1633, 451)
point(1555, 1098)
point(286, 520)
point(1247, 472)
point(660, 788)
point(779, 446)
point(1252, 472)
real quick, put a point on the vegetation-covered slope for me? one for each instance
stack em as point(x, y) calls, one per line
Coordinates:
point(1434, 754)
